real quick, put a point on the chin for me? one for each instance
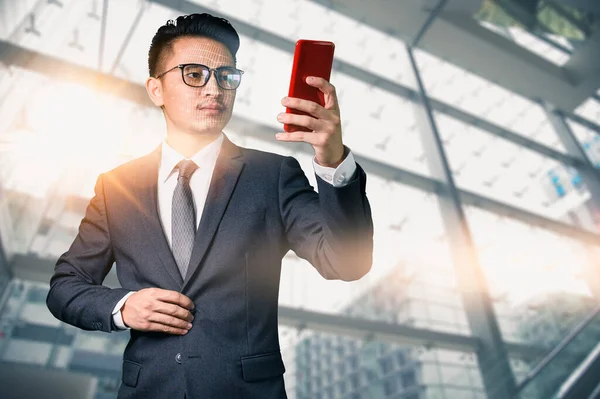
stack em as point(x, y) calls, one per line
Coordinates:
point(210, 125)
point(207, 128)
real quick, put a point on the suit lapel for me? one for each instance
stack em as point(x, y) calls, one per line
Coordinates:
point(147, 194)
point(225, 176)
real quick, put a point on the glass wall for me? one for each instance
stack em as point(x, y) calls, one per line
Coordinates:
point(532, 220)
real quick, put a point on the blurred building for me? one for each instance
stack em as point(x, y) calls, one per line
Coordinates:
point(477, 122)
point(329, 366)
point(31, 338)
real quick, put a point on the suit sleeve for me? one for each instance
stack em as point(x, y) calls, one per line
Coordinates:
point(76, 295)
point(333, 229)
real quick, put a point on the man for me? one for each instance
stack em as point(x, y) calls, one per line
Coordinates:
point(199, 227)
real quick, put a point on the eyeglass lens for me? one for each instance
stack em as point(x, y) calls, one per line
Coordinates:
point(197, 75)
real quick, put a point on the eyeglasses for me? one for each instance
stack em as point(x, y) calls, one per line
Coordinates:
point(198, 75)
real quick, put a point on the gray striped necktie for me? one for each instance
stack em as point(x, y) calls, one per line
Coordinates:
point(183, 217)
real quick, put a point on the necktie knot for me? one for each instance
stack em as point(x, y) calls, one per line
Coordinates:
point(186, 168)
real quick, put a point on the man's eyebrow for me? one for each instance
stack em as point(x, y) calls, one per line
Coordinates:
point(201, 63)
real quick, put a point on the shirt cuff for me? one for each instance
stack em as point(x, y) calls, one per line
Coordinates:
point(340, 176)
point(116, 313)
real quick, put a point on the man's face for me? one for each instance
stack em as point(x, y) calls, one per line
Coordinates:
point(204, 110)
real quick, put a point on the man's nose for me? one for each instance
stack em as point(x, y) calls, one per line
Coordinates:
point(212, 87)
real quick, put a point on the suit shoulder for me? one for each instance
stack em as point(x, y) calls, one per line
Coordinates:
point(260, 157)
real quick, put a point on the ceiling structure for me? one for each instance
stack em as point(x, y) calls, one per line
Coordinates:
point(457, 37)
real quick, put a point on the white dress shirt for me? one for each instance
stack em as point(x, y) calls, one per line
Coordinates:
point(206, 160)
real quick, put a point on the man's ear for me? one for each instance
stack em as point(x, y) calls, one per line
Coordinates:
point(154, 90)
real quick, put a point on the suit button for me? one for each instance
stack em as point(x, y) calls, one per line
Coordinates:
point(178, 358)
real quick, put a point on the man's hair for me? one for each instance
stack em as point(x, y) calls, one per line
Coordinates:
point(193, 25)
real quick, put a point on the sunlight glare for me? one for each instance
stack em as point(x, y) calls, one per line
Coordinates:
point(66, 134)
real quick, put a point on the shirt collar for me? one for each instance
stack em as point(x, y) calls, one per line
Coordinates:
point(170, 157)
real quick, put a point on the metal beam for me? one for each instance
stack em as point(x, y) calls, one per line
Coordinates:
point(430, 19)
point(33, 268)
point(59, 69)
point(391, 333)
point(56, 68)
point(102, 34)
point(583, 67)
point(558, 349)
point(380, 82)
point(492, 357)
point(593, 126)
point(591, 178)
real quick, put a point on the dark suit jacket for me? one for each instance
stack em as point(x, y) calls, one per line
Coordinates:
point(259, 206)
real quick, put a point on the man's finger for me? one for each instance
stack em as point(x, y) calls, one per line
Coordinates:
point(176, 298)
point(167, 329)
point(331, 100)
point(321, 84)
point(174, 310)
point(299, 120)
point(170, 321)
point(306, 137)
point(307, 106)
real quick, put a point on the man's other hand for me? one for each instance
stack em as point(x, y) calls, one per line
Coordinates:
point(155, 309)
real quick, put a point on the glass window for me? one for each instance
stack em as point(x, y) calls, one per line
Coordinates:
point(343, 387)
point(37, 313)
point(458, 393)
point(62, 356)
point(590, 109)
point(386, 365)
point(390, 386)
point(26, 351)
point(442, 313)
point(408, 378)
point(486, 100)
point(434, 392)
point(454, 375)
point(513, 254)
point(589, 139)
point(400, 358)
point(430, 374)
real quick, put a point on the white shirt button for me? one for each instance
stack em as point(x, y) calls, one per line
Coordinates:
point(328, 177)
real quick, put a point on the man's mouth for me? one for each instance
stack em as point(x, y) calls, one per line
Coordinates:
point(213, 107)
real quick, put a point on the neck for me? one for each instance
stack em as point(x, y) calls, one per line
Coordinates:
point(189, 144)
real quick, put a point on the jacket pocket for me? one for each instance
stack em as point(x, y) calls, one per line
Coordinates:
point(131, 372)
point(263, 366)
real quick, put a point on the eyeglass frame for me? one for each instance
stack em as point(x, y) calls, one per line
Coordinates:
point(211, 71)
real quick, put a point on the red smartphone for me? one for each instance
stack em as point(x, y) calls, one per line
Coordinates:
point(311, 58)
